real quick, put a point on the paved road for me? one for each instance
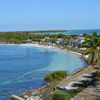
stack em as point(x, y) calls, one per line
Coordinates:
point(88, 94)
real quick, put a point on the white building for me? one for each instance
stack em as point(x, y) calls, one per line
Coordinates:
point(80, 39)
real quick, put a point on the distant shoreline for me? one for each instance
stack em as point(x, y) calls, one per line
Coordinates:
point(48, 47)
point(40, 31)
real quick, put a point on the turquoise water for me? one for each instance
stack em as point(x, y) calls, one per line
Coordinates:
point(75, 32)
point(23, 68)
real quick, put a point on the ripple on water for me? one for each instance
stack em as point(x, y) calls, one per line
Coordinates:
point(23, 68)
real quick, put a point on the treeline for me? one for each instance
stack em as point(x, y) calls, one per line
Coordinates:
point(20, 37)
point(50, 31)
point(46, 31)
point(25, 37)
point(14, 37)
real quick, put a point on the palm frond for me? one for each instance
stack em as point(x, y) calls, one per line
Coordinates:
point(95, 57)
point(90, 59)
point(88, 50)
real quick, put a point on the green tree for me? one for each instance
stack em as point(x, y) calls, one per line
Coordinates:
point(58, 95)
point(55, 76)
point(92, 44)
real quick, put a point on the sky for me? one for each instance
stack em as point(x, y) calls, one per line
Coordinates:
point(20, 15)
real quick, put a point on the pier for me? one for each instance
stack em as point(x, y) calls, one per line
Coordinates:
point(14, 97)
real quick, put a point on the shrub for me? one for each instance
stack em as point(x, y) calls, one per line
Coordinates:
point(55, 76)
point(58, 95)
point(74, 93)
point(48, 78)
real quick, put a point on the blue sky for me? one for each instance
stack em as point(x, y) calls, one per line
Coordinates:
point(22, 15)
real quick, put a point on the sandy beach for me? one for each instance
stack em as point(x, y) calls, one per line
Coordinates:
point(85, 57)
point(45, 46)
point(51, 47)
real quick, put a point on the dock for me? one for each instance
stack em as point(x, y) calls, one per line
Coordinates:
point(14, 97)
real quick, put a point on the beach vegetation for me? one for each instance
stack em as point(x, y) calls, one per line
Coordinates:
point(92, 44)
point(48, 92)
point(55, 76)
point(16, 38)
point(59, 95)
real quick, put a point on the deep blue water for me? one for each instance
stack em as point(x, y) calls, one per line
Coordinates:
point(23, 68)
point(75, 32)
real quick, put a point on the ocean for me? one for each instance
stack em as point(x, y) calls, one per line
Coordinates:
point(22, 68)
point(74, 32)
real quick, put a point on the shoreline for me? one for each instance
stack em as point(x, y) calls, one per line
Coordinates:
point(53, 48)
point(84, 58)
point(37, 90)
point(61, 50)
point(47, 47)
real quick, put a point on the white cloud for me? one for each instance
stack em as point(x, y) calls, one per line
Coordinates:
point(27, 23)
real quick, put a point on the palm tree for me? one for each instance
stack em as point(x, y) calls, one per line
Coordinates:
point(92, 44)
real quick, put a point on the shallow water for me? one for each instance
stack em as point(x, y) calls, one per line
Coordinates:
point(74, 32)
point(23, 68)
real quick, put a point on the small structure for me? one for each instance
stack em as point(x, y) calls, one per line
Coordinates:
point(80, 39)
point(71, 87)
point(97, 88)
point(85, 77)
point(14, 97)
point(61, 40)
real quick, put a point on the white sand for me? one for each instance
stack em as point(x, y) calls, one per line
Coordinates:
point(46, 46)
point(52, 47)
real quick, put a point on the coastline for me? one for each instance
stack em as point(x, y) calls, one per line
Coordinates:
point(48, 47)
point(35, 91)
point(84, 58)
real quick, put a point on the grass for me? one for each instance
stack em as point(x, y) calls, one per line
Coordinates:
point(47, 93)
point(59, 95)
point(75, 77)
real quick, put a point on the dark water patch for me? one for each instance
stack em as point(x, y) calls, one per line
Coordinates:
point(23, 68)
